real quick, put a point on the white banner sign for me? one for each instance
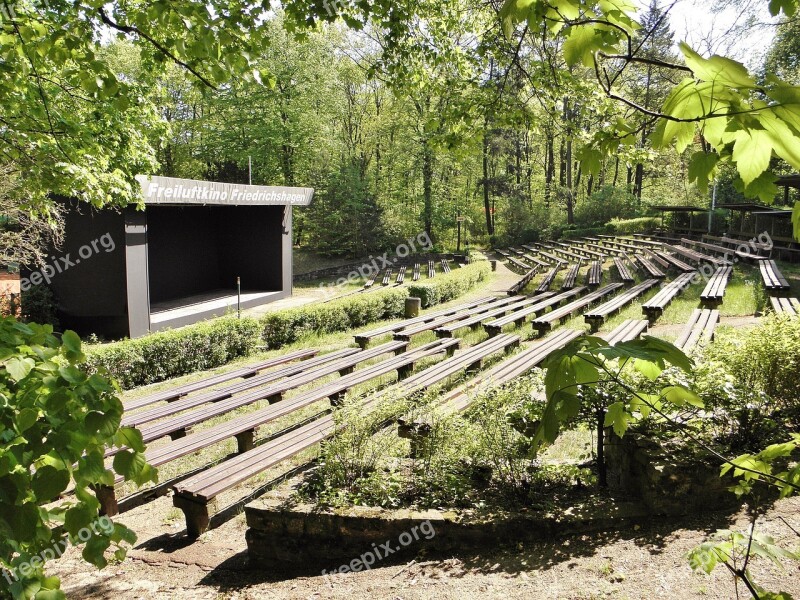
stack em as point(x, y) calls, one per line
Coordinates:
point(171, 190)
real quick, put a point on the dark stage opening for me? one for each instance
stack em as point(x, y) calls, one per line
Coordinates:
point(195, 254)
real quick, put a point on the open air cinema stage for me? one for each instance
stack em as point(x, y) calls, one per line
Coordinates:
point(177, 261)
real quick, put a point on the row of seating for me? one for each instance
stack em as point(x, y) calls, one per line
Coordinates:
point(597, 316)
point(518, 317)
point(655, 306)
point(715, 288)
point(523, 282)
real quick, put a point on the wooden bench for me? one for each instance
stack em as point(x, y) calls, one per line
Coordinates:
point(789, 306)
point(445, 266)
point(408, 332)
point(726, 252)
point(567, 254)
point(535, 261)
point(643, 242)
point(370, 282)
point(605, 251)
point(687, 250)
point(595, 274)
point(597, 316)
point(675, 262)
point(628, 330)
point(363, 338)
point(195, 496)
point(461, 397)
point(243, 373)
point(774, 281)
point(655, 258)
point(654, 307)
point(449, 329)
point(715, 288)
point(559, 262)
point(571, 277)
point(650, 268)
point(502, 253)
point(546, 322)
point(431, 269)
point(522, 283)
point(387, 276)
point(750, 249)
point(415, 276)
point(174, 420)
point(518, 317)
point(622, 269)
point(519, 264)
point(401, 275)
point(545, 283)
point(699, 329)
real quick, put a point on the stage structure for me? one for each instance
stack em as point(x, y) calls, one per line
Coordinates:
point(131, 271)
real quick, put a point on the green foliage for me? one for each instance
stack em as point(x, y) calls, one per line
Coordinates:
point(444, 288)
point(605, 205)
point(164, 355)
point(57, 422)
point(765, 358)
point(286, 326)
point(638, 225)
point(39, 305)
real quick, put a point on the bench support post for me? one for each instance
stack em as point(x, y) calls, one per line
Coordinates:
point(246, 441)
point(405, 371)
point(177, 434)
point(108, 500)
point(196, 514)
point(347, 371)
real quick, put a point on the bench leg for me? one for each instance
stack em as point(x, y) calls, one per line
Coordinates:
point(347, 371)
point(108, 500)
point(196, 514)
point(177, 434)
point(275, 398)
point(246, 441)
point(402, 350)
point(405, 371)
point(337, 399)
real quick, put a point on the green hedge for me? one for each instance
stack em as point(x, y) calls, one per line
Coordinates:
point(287, 326)
point(168, 354)
point(633, 225)
point(444, 288)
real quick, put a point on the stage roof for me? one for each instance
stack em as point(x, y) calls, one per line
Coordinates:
point(747, 207)
point(789, 180)
point(189, 192)
point(679, 208)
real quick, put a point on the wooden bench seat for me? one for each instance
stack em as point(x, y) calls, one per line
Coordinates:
point(622, 269)
point(567, 254)
point(243, 373)
point(546, 321)
point(518, 317)
point(595, 274)
point(519, 264)
point(774, 281)
point(675, 262)
point(657, 259)
point(431, 270)
point(597, 316)
point(522, 283)
point(628, 330)
point(559, 262)
point(503, 253)
point(715, 288)
point(449, 329)
point(387, 276)
point(174, 424)
point(654, 307)
point(195, 495)
point(408, 332)
point(699, 330)
point(445, 266)
point(535, 261)
point(133, 418)
point(363, 338)
point(548, 280)
point(370, 282)
point(604, 250)
point(650, 268)
point(727, 253)
point(401, 275)
point(687, 250)
point(415, 275)
point(571, 277)
point(789, 306)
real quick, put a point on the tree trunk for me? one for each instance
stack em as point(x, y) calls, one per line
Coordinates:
point(427, 186)
point(570, 190)
point(549, 168)
point(602, 479)
point(487, 206)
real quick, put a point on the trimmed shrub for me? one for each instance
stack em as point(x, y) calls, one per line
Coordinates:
point(443, 288)
point(633, 225)
point(287, 326)
point(160, 356)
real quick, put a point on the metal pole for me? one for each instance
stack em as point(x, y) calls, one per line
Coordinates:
point(250, 170)
point(713, 205)
point(239, 297)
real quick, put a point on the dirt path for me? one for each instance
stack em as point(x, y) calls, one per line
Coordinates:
point(645, 562)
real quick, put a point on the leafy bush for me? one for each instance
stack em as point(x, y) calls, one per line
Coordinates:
point(160, 356)
point(444, 288)
point(765, 359)
point(286, 326)
point(57, 423)
point(604, 205)
point(633, 225)
point(39, 305)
